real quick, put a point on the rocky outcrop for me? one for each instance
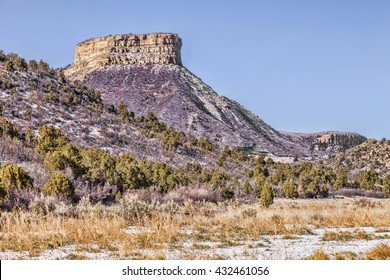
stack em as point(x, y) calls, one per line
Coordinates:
point(327, 141)
point(97, 53)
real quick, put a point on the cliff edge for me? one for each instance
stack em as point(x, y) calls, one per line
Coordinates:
point(97, 53)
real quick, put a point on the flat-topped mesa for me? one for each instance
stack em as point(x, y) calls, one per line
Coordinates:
point(97, 53)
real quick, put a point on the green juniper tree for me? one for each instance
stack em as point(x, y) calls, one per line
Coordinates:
point(59, 184)
point(267, 195)
point(290, 189)
point(13, 177)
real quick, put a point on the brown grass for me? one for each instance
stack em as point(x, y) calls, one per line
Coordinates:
point(76, 257)
point(165, 227)
point(318, 255)
point(380, 252)
point(345, 256)
point(348, 236)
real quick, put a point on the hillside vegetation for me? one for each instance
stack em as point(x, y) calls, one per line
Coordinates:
point(371, 155)
point(58, 138)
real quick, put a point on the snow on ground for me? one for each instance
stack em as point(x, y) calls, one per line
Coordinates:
point(267, 247)
point(280, 159)
point(94, 131)
point(278, 247)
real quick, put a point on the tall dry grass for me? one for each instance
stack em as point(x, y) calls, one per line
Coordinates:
point(380, 252)
point(166, 226)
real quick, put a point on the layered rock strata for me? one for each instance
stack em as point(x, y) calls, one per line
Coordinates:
point(97, 53)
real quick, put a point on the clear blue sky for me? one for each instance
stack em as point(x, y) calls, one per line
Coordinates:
point(301, 66)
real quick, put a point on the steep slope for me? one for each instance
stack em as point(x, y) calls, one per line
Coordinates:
point(145, 72)
point(370, 155)
point(33, 97)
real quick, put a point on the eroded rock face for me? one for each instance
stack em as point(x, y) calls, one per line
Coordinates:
point(155, 48)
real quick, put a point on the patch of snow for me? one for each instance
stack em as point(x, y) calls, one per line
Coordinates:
point(137, 230)
point(55, 254)
point(211, 108)
point(94, 131)
point(267, 247)
point(280, 159)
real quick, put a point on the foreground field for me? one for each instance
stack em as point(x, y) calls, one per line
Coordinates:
point(351, 228)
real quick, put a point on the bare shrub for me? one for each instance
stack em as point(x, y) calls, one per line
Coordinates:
point(43, 205)
point(15, 151)
point(95, 193)
point(249, 213)
point(134, 210)
point(83, 207)
point(149, 194)
point(37, 172)
point(359, 192)
point(18, 199)
point(194, 193)
point(367, 203)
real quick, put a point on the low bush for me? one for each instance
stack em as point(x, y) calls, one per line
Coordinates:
point(59, 184)
point(182, 194)
point(13, 177)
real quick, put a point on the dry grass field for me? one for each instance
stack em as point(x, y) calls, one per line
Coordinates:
point(351, 228)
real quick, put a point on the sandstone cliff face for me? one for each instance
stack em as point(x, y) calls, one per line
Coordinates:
point(93, 54)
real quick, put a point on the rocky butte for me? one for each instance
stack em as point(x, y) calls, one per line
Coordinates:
point(146, 73)
point(94, 54)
